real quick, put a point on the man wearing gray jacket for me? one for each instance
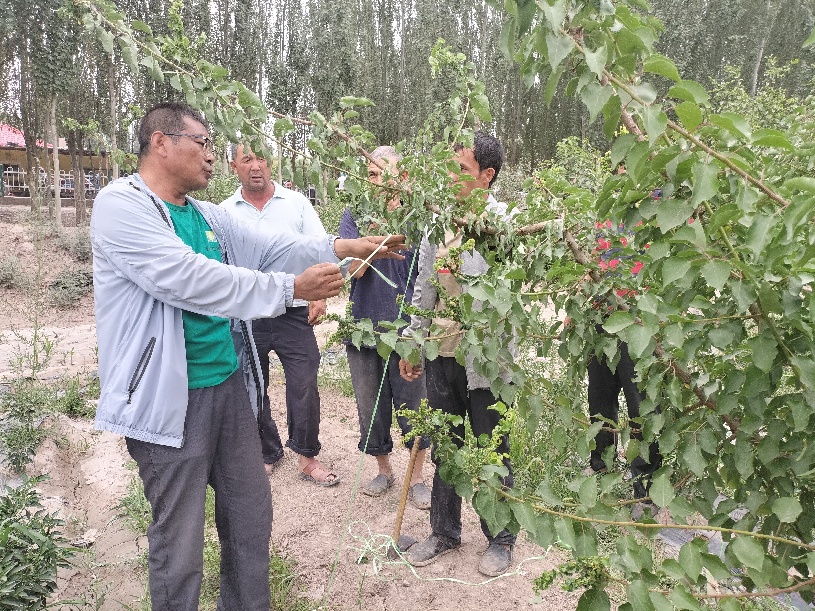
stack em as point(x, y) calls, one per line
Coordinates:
point(169, 274)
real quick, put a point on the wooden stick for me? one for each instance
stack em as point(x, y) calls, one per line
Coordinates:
point(400, 511)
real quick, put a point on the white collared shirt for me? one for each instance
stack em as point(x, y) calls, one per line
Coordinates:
point(288, 211)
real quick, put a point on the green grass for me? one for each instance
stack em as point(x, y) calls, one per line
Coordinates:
point(336, 377)
point(134, 508)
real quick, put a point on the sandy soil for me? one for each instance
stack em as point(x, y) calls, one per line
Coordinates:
point(323, 529)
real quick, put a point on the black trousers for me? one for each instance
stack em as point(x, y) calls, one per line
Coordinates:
point(293, 340)
point(604, 404)
point(447, 391)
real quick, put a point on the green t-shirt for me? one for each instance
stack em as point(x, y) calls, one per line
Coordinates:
point(211, 357)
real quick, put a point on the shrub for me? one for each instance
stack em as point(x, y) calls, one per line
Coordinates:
point(78, 245)
point(70, 286)
point(31, 548)
point(11, 274)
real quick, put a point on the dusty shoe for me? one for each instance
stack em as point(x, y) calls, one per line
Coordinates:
point(420, 495)
point(378, 485)
point(429, 550)
point(496, 559)
point(589, 471)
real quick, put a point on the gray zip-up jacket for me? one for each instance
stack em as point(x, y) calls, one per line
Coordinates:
point(144, 276)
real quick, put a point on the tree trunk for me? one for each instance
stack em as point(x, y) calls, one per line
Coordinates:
point(28, 114)
point(78, 173)
point(57, 212)
point(760, 51)
point(114, 119)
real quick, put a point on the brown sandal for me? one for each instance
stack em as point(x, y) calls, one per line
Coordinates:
point(329, 479)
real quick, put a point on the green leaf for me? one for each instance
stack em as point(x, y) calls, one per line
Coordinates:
point(383, 350)
point(690, 91)
point(705, 182)
point(506, 42)
point(618, 321)
point(764, 350)
point(661, 602)
point(806, 372)
point(559, 48)
point(596, 60)
point(757, 235)
point(594, 600)
point(655, 121)
point(611, 112)
point(771, 138)
point(661, 491)
point(683, 599)
point(283, 126)
point(809, 41)
point(716, 273)
point(595, 96)
point(551, 84)
point(621, 147)
point(555, 12)
point(800, 183)
point(106, 38)
point(637, 592)
point(787, 509)
point(588, 492)
point(692, 455)
point(661, 65)
point(565, 532)
point(691, 560)
point(638, 338)
point(748, 551)
point(735, 124)
point(673, 269)
point(672, 213)
point(689, 114)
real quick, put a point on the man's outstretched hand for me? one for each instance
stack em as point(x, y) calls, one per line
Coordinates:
point(319, 282)
point(361, 248)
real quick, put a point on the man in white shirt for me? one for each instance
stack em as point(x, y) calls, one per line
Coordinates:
point(266, 205)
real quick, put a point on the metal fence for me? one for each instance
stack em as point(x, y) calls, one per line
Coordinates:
point(15, 182)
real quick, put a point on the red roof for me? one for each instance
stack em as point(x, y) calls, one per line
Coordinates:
point(11, 136)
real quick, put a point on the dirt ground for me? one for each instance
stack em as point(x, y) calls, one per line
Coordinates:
point(322, 529)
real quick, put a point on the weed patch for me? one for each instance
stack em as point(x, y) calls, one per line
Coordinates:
point(69, 287)
point(73, 402)
point(22, 409)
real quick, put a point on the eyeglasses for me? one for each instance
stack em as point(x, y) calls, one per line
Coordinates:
point(205, 141)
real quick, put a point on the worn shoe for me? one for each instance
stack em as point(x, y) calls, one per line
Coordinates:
point(496, 559)
point(429, 550)
point(419, 495)
point(589, 471)
point(378, 485)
